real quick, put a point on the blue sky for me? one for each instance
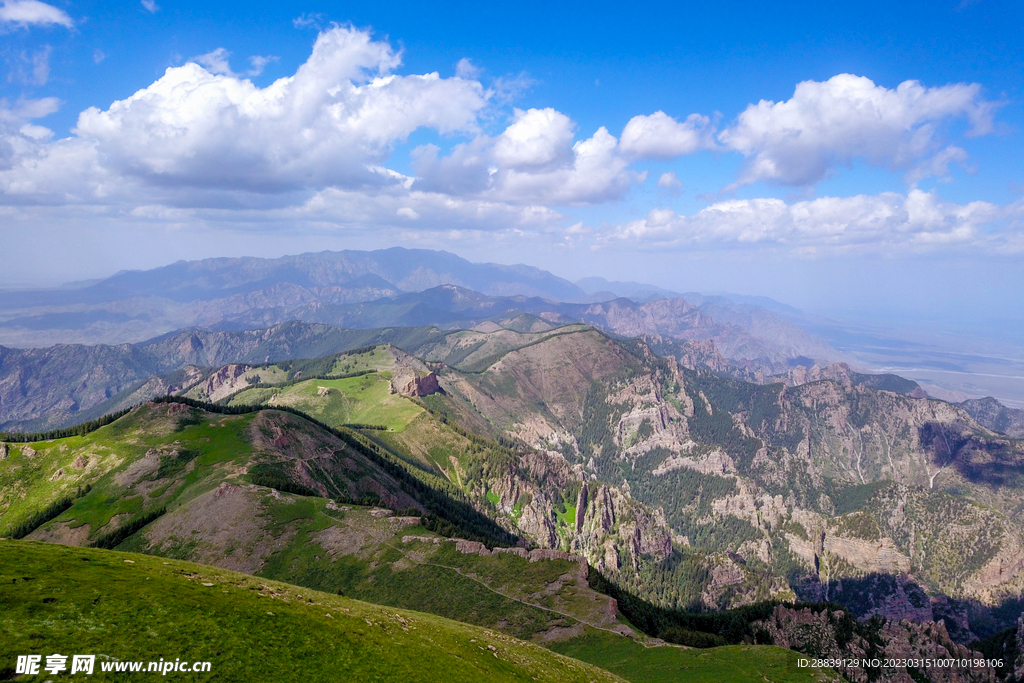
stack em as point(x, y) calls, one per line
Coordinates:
point(666, 142)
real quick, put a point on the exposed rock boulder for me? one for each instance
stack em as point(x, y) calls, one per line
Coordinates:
point(3, 451)
point(226, 381)
point(416, 385)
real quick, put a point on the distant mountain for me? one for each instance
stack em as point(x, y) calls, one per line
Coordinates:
point(600, 289)
point(72, 383)
point(53, 386)
point(994, 415)
point(741, 332)
point(136, 305)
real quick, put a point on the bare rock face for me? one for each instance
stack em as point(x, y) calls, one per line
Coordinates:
point(3, 451)
point(28, 451)
point(537, 522)
point(79, 463)
point(225, 381)
point(613, 530)
point(414, 384)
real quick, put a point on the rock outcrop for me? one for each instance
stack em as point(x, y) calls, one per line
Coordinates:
point(616, 529)
point(416, 385)
point(225, 381)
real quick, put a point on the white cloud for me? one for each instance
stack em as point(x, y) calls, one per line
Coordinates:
point(309, 20)
point(534, 161)
point(669, 181)
point(338, 116)
point(597, 173)
point(150, 6)
point(800, 141)
point(258, 63)
point(33, 13)
point(659, 136)
point(883, 223)
point(98, 56)
point(313, 148)
point(466, 69)
point(28, 109)
point(537, 139)
point(216, 62)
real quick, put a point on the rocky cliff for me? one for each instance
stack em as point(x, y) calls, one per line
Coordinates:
point(817, 483)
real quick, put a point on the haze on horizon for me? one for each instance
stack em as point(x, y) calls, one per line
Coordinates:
point(854, 159)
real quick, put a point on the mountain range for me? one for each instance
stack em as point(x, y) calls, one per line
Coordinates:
point(685, 489)
point(586, 466)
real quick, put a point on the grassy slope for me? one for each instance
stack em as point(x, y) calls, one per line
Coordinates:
point(30, 482)
point(280, 536)
point(365, 400)
point(499, 591)
point(73, 600)
point(739, 663)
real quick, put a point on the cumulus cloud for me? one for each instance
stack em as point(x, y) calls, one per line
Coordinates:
point(205, 142)
point(889, 221)
point(310, 147)
point(33, 13)
point(825, 124)
point(538, 139)
point(659, 136)
point(597, 173)
point(535, 160)
point(329, 124)
point(150, 6)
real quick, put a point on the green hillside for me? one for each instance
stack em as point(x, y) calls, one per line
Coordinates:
point(366, 399)
point(640, 664)
point(86, 601)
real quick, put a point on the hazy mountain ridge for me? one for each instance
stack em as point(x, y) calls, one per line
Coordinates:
point(53, 386)
point(393, 287)
point(135, 305)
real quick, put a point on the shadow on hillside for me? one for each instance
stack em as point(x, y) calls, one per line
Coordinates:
point(988, 462)
point(898, 597)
